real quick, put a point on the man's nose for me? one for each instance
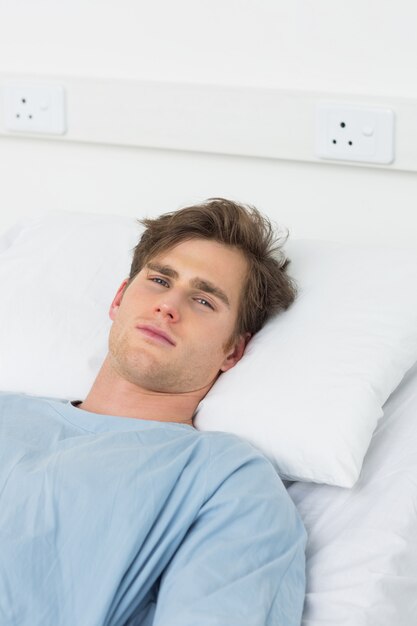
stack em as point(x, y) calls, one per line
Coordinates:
point(168, 310)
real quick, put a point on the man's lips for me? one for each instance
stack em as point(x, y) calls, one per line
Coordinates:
point(156, 333)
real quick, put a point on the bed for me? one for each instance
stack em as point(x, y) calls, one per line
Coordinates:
point(362, 547)
point(338, 411)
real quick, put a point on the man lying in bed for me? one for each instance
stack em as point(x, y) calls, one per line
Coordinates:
point(115, 510)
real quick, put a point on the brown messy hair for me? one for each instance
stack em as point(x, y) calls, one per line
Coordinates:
point(268, 288)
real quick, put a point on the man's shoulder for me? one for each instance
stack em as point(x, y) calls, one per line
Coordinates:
point(229, 444)
point(232, 454)
point(240, 474)
point(22, 406)
point(19, 398)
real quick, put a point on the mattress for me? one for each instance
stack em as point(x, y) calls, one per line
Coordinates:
point(362, 547)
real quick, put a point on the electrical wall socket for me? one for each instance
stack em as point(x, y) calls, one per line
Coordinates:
point(34, 108)
point(354, 133)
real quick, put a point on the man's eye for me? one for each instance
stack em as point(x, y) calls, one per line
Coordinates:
point(160, 281)
point(205, 302)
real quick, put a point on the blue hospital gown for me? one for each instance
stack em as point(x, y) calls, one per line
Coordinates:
point(115, 521)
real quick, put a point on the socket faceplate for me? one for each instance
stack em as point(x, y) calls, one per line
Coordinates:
point(354, 133)
point(34, 108)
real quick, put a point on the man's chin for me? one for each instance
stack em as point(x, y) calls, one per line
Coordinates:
point(147, 373)
point(167, 386)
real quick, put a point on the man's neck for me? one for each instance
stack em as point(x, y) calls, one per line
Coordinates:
point(113, 395)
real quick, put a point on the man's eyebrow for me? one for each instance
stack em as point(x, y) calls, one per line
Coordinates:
point(205, 285)
point(196, 283)
point(166, 270)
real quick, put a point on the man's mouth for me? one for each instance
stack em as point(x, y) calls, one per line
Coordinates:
point(156, 333)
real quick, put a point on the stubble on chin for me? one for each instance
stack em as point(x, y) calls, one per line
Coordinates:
point(144, 366)
point(140, 366)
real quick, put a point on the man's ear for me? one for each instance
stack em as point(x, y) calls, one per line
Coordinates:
point(235, 353)
point(114, 307)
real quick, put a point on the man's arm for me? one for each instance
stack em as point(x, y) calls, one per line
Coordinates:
point(242, 562)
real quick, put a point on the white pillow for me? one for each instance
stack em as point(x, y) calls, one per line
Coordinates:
point(58, 275)
point(309, 390)
point(315, 377)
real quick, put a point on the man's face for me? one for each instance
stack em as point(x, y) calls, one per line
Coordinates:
point(172, 324)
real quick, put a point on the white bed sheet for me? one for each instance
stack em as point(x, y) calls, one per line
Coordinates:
point(362, 548)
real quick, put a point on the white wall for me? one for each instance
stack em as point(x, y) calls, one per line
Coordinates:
point(321, 201)
point(343, 45)
point(346, 46)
